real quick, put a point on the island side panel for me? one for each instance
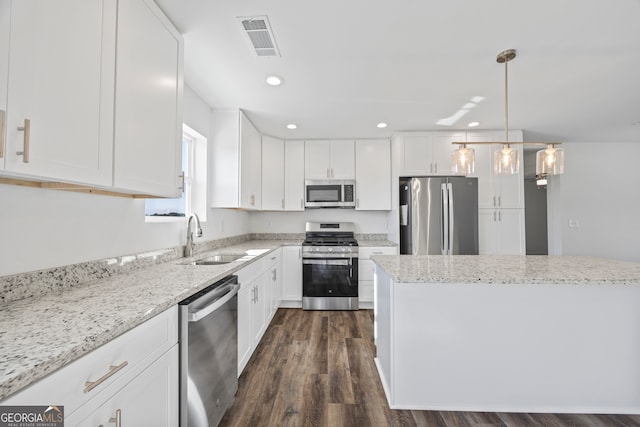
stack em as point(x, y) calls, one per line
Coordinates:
point(382, 328)
point(521, 348)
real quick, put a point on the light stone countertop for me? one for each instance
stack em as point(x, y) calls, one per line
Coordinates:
point(41, 334)
point(508, 269)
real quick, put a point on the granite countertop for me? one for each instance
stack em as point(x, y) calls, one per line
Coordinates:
point(508, 269)
point(41, 334)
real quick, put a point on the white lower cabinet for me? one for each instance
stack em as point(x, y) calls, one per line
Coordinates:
point(148, 400)
point(501, 232)
point(258, 299)
point(136, 373)
point(291, 276)
point(366, 271)
point(273, 283)
point(245, 325)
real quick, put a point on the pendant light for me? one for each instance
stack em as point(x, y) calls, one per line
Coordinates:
point(506, 160)
point(550, 161)
point(463, 160)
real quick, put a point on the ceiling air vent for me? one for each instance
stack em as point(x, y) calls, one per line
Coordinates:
point(259, 34)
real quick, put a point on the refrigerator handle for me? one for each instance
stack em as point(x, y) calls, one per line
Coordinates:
point(450, 214)
point(444, 245)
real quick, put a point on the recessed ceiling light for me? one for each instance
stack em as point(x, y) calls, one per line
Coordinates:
point(473, 124)
point(381, 125)
point(292, 126)
point(274, 80)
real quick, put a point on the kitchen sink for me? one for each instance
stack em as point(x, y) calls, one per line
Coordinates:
point(217, 259)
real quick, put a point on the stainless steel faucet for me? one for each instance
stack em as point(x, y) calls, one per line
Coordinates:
point(188, 249)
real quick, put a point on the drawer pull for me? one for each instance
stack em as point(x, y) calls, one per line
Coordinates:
point(117, 419)
point(88, 386)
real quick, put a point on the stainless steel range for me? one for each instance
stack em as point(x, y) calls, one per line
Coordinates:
point(330, 267)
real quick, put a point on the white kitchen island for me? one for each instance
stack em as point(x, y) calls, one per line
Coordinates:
point(508, 333)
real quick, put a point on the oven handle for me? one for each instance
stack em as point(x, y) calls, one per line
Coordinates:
point(346, 261)
point(205, 311)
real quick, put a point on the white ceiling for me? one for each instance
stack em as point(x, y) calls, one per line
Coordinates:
point(349, 64)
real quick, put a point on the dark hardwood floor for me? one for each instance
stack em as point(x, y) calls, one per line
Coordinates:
point(316, 368)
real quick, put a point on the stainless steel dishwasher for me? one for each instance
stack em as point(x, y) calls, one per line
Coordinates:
point(208, 353)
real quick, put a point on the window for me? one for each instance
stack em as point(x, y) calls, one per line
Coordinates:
point(194, 168)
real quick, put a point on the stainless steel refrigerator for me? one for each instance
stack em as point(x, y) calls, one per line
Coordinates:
point(439, 215)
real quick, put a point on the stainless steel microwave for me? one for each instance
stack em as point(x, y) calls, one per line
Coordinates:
point(331, 193)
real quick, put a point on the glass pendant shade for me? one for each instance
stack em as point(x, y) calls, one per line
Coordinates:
point(463, 160)
point(550, 161)
point(506, 161)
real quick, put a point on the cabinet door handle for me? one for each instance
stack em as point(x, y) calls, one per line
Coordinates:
point(26, 129)
point(500, 216)
point(328, 173)
point(435, 166)
point(181, 187)
point(331, 172)
point(3, 118)
point(494, 216)
point(301, 204)
point(88, 386)
point(282, 204)
point(499, 201)
point(117, 419)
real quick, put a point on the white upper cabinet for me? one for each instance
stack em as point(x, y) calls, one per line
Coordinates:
point(294, 175)
point(273, 174)
point(497, 191)
point(92, 91)
point(148, 113)
point(60, 89)
point(236, 161)
point(427, 153)
point(373, 174)
point(414, 154)
point(250, 165)
point(441, 149)
point(326, 159)
point(282, 175)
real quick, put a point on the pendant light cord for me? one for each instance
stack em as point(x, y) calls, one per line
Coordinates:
point(506, 101)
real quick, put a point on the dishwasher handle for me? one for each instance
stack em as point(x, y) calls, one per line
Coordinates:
point(216, 304)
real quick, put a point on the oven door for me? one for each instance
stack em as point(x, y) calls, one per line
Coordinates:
point(330, 277)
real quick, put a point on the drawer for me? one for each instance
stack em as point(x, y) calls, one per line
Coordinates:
point(137, 347)
point(366, 251)
point(250, 272)
point(272, 258)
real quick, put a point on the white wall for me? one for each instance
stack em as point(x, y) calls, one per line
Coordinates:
point(600, 191)
point(46, 228)
point(367, 222)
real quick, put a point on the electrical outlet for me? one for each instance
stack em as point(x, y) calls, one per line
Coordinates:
point(573, 223)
